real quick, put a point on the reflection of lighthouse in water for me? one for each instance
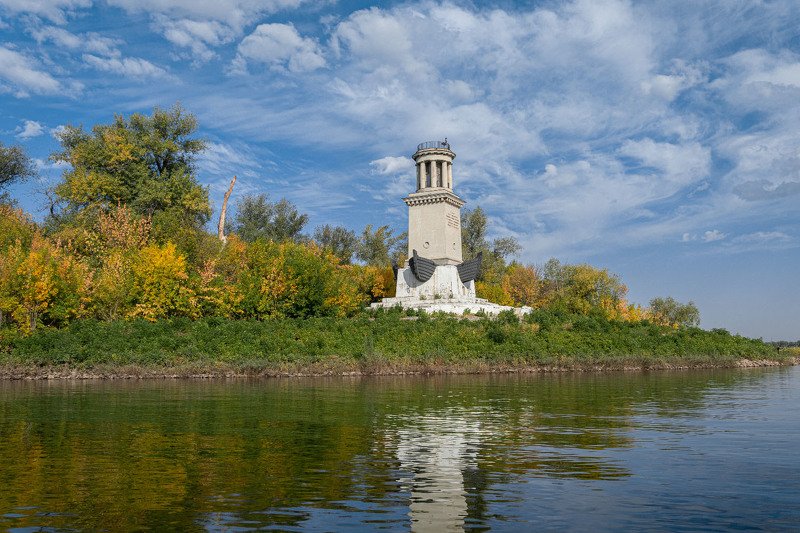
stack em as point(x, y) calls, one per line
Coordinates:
point(435, 451)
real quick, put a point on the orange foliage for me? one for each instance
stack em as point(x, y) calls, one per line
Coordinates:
point(521, 284)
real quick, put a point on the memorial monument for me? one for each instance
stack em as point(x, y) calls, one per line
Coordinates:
point(435, 276)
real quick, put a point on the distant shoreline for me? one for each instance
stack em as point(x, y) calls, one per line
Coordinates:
point(336, 368)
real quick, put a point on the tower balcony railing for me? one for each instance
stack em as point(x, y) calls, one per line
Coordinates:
point(433, 144)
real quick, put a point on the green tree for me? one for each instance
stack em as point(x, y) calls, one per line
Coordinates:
point(670, 312)
point(258, 218)
point(495, 253)
point(380, 247)
point(473, 232)
point(15, 165)
point(338, 240)
point(145, 162)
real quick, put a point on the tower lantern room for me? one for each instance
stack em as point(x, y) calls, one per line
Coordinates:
point(434, 165)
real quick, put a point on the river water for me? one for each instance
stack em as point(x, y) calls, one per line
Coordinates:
point(670, 451)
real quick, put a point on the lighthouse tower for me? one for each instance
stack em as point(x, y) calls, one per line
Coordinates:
point(436, 278)
point(434, 211)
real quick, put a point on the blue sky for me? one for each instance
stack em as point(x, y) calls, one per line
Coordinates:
point(657, 139)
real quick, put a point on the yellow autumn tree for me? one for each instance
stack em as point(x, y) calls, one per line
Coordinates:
point(160, 287)
point(372, 281)
point(216, 296)
point(296, 280)
point(494, 292)
point(521, 283)
point(111, 245)
point(581, 288)
point(112, 287)
point(119, 229)
point(15, 225)
point(42, 285)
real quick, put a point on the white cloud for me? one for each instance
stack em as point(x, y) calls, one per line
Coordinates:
point(55, 132)
point(668, 86)
point(763, 237)
point(221, 159)
point(201, 26)
point(713, 235)
point(681, 164)
point(130, 67)
point(54, 10)
point(47, 165)
point(88, 42)
point(199, 36)
point(766, 161)
point(759, 66)
point(29, 129)
point(233, 12)
point(100, 52)
point(758, 240)
point(376, 38)
point(281, 47)
point(24, 76)
point(392, 165)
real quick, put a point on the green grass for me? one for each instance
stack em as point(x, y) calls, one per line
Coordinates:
point(380, 341)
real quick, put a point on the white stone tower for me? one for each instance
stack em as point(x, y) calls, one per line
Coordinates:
point(435, 277)
point(434, 211)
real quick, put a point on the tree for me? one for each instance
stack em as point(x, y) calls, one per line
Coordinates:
point(160, 285)
point(258, 218)
point(295, 280)
point(338, 240)
point(379, 247)
point(473, 232)
point(15, 225)
point(15, 165)
point(42, 284)
point(495, 252)
point(223, 212)
point(521, 283)
point(670, 312)
point(145, 162)
point(581, 288)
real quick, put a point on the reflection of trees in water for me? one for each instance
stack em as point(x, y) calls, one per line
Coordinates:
point(187, 455)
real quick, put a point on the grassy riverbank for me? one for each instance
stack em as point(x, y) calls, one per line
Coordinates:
point(372, 344)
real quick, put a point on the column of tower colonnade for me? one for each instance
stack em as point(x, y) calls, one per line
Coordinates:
point(434, 173)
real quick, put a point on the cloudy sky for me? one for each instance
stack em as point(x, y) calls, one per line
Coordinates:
point(658, 139)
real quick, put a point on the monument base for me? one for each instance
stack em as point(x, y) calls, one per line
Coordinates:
point(443, 292)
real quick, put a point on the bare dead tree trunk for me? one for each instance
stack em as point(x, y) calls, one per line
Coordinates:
point(221, 227)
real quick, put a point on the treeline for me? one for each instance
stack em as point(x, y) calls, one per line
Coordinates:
point(125, 238)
